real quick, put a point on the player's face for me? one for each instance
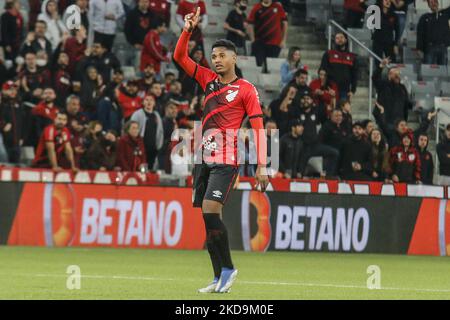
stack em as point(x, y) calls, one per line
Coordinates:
point(223, 60)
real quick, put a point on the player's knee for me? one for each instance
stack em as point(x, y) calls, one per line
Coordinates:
point(209, 206)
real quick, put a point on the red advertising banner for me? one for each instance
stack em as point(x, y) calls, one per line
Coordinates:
point(111, 216)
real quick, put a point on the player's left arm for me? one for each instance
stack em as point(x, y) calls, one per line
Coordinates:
point(253, 109)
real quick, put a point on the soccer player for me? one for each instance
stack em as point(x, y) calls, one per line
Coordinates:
point(228, 100)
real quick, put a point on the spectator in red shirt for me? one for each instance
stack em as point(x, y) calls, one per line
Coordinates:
point(354, 13)
point(45, 112)
point(75, 47)
point(153, 51)
point(324, 91)
point(405, 161)
point(54, 150)
point(161, 8)
point(128, 98)
point(267, 30)
point(190, 6)
point(130, 150)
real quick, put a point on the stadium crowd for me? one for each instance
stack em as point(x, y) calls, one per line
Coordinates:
point(65, 95)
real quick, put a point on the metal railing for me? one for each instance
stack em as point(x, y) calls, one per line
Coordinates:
point(352, 39)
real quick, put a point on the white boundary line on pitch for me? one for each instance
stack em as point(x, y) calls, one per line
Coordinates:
point(269, 283)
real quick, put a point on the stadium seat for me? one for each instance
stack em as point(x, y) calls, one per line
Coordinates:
point(410, 55)
point(270, 82)
point(129, 72)
point(445, 89)
point(215, 26)
point(274, 64)
point(424, 102)
point(442, 103)
point(431, 72)
point(26, 155)
point(247, 62)
point(251, 76)
point(407, 71)
point(421, 88)
point(317, 12)
point(314, 166)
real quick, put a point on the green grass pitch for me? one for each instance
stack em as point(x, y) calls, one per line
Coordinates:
point(40, 273)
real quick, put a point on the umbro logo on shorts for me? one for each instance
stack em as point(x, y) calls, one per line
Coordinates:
point(217, 194)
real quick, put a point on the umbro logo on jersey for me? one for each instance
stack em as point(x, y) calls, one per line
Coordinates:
point(231, 95)
point(217, 194)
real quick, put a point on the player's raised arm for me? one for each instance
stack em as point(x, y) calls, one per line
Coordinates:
point(181, 50)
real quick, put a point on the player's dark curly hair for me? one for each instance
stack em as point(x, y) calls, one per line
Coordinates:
point(229, 45)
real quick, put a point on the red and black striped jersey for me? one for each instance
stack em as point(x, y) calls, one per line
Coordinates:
point(225, 108)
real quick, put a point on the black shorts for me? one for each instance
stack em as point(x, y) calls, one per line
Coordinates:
point(212, 182)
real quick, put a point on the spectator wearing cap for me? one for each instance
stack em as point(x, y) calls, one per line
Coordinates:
point(186, 7)
point(395, 132)
point(405, 161)
point(103, 60)
point(138, 24)
point(341, 67)
point(13, 122)
point(103, 17)
point(54, 150)
point(151, 129)
point(130, 149)
point(443, 153)
point(355, 157)
point(236, 25)
point(379, 155)
point(285, 108)
point(354, 13)
point(333, 133)
point(291, 66)
point(128, 98)
point(324, 91)
point(291, 148)
point(433, 34)
point(11, 28)
point(426, 160)
point(311, 116)
point(267, 29)
point(102, 154)
point(153, 52)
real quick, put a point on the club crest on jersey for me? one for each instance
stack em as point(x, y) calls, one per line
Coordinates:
point(231, 95)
